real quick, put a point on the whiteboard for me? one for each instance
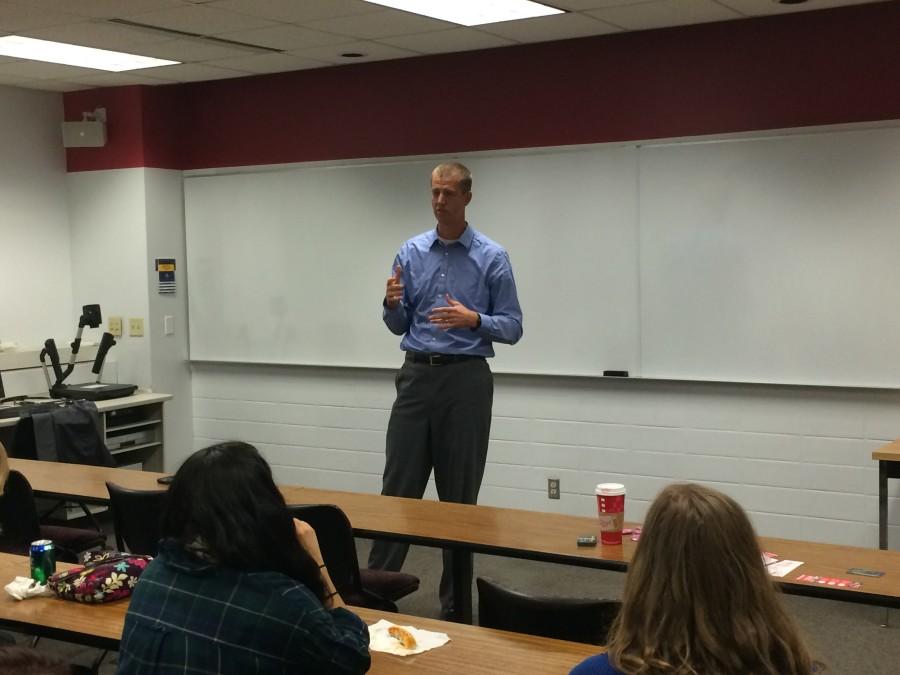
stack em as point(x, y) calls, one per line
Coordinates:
point(289, 266)
point(773, 259)
point(744, 260)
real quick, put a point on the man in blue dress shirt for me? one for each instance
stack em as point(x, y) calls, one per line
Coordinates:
point(451, 295)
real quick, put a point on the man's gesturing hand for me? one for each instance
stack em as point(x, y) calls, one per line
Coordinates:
point(454, 315)
point(393, 294)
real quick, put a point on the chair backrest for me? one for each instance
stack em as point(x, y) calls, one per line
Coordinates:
point(136, 518)
point(575, 619)
point(18, 514)
point(335, 536)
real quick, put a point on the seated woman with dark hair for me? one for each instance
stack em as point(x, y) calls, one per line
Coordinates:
point(698, 599)
point(238, 586)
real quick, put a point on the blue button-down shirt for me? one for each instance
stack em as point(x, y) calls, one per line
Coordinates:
point(473, 270)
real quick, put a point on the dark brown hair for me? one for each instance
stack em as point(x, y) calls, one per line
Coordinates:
point(698, 599)
point(225, 497)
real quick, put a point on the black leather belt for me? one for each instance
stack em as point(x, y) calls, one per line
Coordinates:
point(439, 359)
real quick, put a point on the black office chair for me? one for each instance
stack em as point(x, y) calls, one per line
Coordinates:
point(136, 518)
point(335, 535)
point(575, 619)
point(21, 525)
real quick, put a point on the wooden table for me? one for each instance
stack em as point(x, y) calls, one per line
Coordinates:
point(530, 535)
point(472, 650)
point(888, 458)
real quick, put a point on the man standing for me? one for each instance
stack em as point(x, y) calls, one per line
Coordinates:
point(452, 294)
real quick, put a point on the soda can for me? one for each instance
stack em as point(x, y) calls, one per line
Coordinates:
point(43, 560)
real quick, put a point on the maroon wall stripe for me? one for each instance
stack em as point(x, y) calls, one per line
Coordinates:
point(809, 68)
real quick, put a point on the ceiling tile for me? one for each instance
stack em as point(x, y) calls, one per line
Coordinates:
point(762, 7)
point(6, 78)
point(100, 34)
point(104, 9)
point(555, 27)
point(373, 51)
point(40, 70)
point(662, 13)
point(315, 32)
point(285, 36)
point(187, 50)
point(294, 11)
point(581, 5)
point(455, 40)
point(269, 63)
point(190, 72)
point(200, 19)
point(55, 85)
point(115, 80)
point(380, 24)
point(15, 18)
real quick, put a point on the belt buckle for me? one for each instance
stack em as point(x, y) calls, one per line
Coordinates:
point(434, 360)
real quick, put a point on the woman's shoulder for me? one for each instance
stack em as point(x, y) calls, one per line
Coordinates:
point(186, 568)
point(595, 665)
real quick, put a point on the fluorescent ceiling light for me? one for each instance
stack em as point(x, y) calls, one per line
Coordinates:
point(75, 55)
point(472, 12)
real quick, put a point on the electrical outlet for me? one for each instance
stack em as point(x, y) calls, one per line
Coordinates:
point(115, 326)
point(553, 488)
point(136, 327)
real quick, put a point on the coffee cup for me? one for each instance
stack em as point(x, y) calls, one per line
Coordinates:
point(611, 511)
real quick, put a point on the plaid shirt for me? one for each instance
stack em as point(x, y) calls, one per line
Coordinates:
point(192, 617)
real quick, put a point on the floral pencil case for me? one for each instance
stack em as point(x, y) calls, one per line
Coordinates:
point(104, 577)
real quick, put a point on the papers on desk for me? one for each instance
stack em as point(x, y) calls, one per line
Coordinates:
point(381, 641)
point(779, 568)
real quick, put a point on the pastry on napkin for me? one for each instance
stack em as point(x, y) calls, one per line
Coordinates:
point(381, 640)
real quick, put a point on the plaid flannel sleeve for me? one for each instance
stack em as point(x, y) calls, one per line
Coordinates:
point(327, 641)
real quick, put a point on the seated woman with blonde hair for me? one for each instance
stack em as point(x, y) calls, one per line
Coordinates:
point(698, 599)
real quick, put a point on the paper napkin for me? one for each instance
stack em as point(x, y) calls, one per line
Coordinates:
point(380, 641)
point(26, 587)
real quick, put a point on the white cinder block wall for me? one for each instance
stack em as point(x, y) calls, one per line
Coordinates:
point(797, 458)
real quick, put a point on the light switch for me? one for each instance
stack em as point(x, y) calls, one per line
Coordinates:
point(136, 327)
point(115, 326)
point(168, 325)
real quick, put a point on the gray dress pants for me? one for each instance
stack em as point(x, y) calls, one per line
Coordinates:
point(441, 420)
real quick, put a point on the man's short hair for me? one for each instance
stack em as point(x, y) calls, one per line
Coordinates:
point(455, 168)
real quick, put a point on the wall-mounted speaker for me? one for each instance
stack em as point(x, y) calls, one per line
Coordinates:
point(85, 134)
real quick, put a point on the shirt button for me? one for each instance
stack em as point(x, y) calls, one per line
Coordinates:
point(443, 275)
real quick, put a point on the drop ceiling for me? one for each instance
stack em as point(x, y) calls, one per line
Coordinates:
point(217, 39)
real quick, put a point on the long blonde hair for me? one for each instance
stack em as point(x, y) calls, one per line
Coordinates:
point(4, 469)
point(698, 599)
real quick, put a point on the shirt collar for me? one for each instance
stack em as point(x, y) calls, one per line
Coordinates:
point(465, 238)
point(181, 559)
